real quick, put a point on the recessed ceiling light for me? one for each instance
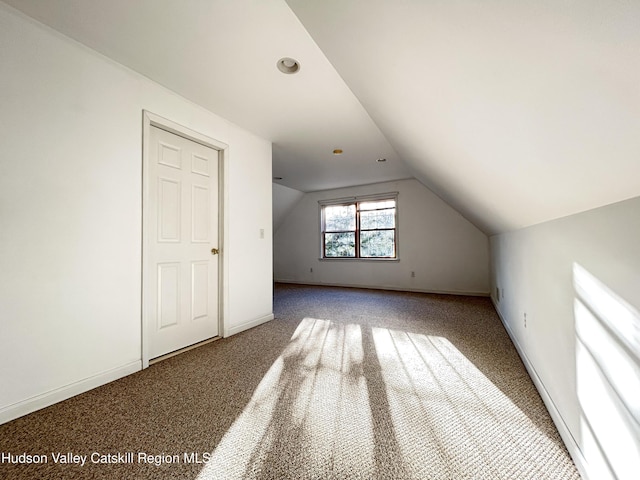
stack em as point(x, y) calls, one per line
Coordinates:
point(337, 151)
point(288, 65)
point(381, 160)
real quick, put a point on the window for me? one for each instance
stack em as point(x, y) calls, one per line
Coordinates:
point(359, 227)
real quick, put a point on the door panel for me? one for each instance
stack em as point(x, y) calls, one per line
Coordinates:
point(182, 229)
point(200, 214)
point(199, 290)
point(168, 294)
point(169, 193)
point(200, 165)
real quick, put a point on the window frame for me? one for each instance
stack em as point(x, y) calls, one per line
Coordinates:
point(346, 201)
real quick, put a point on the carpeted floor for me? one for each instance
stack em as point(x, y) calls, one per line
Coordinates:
point(344, 383)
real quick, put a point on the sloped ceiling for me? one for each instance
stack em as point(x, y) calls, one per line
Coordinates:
point(514, 112)
point(222, 54)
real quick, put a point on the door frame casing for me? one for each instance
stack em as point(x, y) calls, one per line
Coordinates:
point(152, 120)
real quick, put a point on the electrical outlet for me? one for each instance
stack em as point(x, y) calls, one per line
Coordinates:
point(262, 233)
point(310, 269)
point(413, 274)
point(498, 293)
point(525, 319)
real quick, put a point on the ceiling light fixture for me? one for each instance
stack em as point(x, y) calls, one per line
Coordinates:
point(288, 65)
point(337, 151)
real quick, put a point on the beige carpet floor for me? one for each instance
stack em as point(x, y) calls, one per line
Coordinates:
point(344, 383)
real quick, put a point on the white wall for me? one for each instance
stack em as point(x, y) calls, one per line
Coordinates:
point(284, 200)
point(71, 215)
point(446, 252)
point(539, 271)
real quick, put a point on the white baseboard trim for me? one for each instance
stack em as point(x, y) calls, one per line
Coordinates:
point(24, 407)
point(563, 429)
point(247, 325)
point(386, 287)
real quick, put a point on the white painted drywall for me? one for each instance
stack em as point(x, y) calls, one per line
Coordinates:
point(71, 214)
point(446, 252)
point(515, 112)
point(534, 270)
point(284, 200)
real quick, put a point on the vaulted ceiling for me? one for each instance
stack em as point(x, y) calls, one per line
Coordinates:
point(514, 112)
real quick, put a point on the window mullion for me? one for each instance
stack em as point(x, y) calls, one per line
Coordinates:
point(357, 230)
point(378, 242)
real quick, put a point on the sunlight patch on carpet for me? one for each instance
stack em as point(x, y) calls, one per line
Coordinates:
point(443, 406)
point(353, 401)
point(313, 400)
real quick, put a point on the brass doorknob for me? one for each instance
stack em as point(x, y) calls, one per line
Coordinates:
point(215, 251)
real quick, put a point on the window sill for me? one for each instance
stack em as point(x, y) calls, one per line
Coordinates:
point(352, 259)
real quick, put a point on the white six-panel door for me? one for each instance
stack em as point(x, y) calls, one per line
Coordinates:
point(181, 241)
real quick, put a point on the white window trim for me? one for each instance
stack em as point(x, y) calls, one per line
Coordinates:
point(359, 198)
